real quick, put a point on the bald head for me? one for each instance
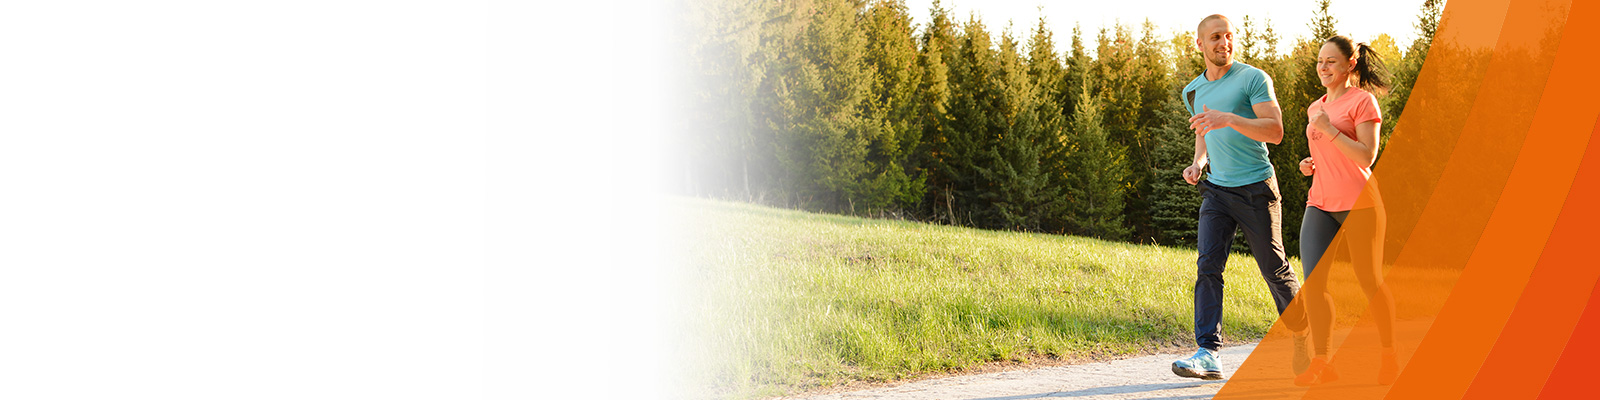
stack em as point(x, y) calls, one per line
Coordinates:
point(1201, 30)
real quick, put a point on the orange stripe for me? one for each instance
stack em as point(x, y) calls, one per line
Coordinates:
point(1431, 244)
point(1544, 317)
point(1572, 377)
point(1493, 258)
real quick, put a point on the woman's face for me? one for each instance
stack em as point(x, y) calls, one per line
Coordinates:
point(1333, 67)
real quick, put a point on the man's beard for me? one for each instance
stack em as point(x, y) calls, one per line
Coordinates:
point(1218, 60)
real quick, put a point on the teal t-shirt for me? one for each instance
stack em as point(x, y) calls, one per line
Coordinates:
point(1236, 160)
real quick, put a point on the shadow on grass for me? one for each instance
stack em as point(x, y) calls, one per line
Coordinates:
point(1115, 390)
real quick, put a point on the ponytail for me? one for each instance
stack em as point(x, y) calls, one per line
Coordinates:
point(1370, 73)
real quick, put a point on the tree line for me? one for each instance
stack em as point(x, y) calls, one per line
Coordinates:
point(846, 106)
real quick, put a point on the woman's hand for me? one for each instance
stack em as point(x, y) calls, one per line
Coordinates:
point(1322, 125)
point(1308, 166)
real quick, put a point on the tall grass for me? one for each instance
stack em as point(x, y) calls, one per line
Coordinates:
point(784, 301)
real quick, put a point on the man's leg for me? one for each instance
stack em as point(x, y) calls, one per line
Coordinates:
point(1215, 236)
point(1261, 219)
point(1215, 239)
point(1262, 222)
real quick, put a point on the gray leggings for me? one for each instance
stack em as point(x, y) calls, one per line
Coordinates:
point(1317, 229)
point(1364, 244)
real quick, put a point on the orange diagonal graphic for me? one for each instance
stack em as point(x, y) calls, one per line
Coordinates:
point(1544, 317)
point(1472, 184)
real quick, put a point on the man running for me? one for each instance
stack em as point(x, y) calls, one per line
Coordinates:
point(1235, 115)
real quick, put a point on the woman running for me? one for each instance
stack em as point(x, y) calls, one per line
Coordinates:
point(1343, 135)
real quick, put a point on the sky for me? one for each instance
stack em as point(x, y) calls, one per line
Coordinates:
point(1363, 20)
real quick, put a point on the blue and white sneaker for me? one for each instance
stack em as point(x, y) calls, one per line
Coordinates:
point(1203, 364)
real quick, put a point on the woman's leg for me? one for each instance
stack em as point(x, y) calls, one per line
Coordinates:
point(1366, 252)
point(1317, 229)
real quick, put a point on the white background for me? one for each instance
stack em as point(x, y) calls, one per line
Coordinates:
point(326, 199)
point(335, 199)
point(237, 200)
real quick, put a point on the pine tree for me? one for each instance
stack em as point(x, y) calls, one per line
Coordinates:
point(1322, 22)
point(1185, 57)
point(1118, 76)
point(1022, 196)
point(1049, 77)
point(892, 180)
point(1047, 73)
point(781, 26)
point(1259, 44)
point(937, 48)
point(1407, 68)
point(1384, 45)
point(1250, 46)
point(1175, 204)
point(974, 122)
point(821, 96)
point(1099, 167)
point(1153, 79)
point(1079, 76)
point(729, 149)
point(1080, 69)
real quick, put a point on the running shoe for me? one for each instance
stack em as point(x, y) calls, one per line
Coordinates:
point(1320, 371)
point(1389, 370)
point(1203, 364)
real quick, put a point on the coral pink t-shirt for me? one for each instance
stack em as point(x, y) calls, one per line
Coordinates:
point(1337, 183)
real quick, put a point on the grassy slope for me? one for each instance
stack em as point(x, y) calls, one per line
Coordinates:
point(784, 301)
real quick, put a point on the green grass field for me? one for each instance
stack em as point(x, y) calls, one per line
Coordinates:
point(785, 301)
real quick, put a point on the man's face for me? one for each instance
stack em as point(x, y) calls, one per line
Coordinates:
point(1216, 42)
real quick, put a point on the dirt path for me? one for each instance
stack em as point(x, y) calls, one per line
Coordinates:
point(1148, 377)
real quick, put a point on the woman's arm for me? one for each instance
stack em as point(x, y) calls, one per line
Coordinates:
point(1364, 149)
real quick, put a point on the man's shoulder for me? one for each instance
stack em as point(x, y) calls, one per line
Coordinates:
point(1198, 80)
point(1249, 72)
point(1238, 72)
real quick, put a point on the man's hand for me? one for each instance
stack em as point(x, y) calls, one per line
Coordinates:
point(1209, 119)
point(1308, 166)
point(1192, 174)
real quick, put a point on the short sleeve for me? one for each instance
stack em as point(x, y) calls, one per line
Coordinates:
point(1185, 97)
point(1261, 88)
point(1367, 110)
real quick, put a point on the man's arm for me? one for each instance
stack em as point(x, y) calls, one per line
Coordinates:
point(1266, 127)
point(1192, 173)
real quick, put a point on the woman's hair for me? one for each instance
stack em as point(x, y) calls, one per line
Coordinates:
point(1371, 75)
